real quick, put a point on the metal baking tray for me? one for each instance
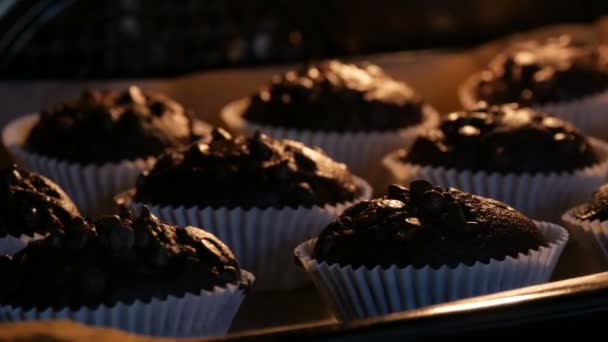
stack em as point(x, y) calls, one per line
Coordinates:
point(301, 314)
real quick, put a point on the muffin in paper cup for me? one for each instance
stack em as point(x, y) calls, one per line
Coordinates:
point(261, 196)
point(261, 239)
point(587, 250)
point(541, 196)
point(361, 151)
point(356, 293)
point(90, 186)
point(559, 76)
point(425, 245)
point(93, 295)
point(354, 112)
point(531, 160)
point(588, 113)
point(192, 315)
point(32, 206)
point(91, 179)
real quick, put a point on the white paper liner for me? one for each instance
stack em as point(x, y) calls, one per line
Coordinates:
point(262, 240)
point(361, 151)
point(588, 113)
point(587, 250)
point(356, 293)
point(91, 187)
point(540, 196)
point(10, 245)
point(191, 315)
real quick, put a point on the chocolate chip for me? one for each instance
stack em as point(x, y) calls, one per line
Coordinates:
point(344, 221)
point(357, 208)
point(390, 205)
point(125, 212)
point(433, 202)
point(455, 214)
point(158, 108)
point(366, 218)
point(419, 187)
point(259, 149)
point(397, 192)
point(304, 162)
point(413, 221)
point(229, 274)
point(219, 134)
point(280, 171)
point(54, 221)
point(133, 95)
point(14, 176)
point(303, 193)
point(196, 150)
point(146, 214)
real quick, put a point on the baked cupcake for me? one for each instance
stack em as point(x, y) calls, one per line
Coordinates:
point(587, 251)
point(139, 275)
point(260, 195)
point(355, 113)
point(426, 245)
point(95, 146)
point(535, 162)
point(557, 75)
point(31, 206)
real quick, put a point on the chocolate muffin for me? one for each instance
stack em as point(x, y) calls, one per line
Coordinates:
point(505, 139)
point(335, 96)
point(31, 203)
point(110, 126)
point(597, 207)
point(426, 225)
point(538, 72)
point(246, 172)
point(116, 259)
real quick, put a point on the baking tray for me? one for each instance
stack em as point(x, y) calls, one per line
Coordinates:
point(301, 314)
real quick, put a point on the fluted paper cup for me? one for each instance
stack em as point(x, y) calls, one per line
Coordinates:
point(261, 239)
point(543, 196)
point(361, 151)
point(10, 244)
point(190, 315)
point(356, 293)
point(91, 187)
point(587, 250)
point(588, 113)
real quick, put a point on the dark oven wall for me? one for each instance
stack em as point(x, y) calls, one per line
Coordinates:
point(135, 38)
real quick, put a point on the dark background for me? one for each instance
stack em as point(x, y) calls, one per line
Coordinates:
point(70, 39)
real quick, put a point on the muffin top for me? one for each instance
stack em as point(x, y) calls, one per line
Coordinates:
point(334, 96)
point(246, 172)
point(426, 225)
point(31, 203)
point(505, 138)
point(537, 72)
point(110, 126)
point(114, 259)
point(597, 208)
